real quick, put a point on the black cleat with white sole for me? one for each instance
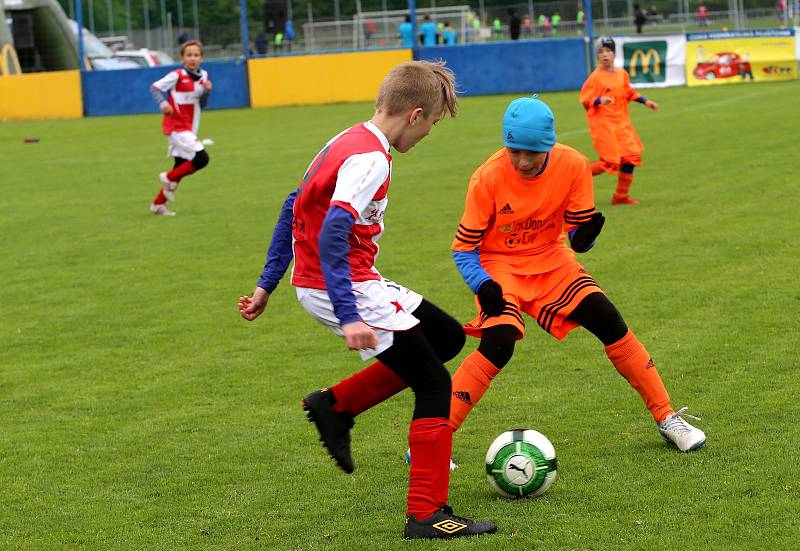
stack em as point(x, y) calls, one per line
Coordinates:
point(334, 428)
point(444, 524)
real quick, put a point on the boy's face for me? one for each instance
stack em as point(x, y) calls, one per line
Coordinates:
point(418, 127)
point(606, 57)
point(526, 163)
point(192, 57)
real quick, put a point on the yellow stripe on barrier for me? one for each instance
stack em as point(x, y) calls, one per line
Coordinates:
point(54, 95)
point(319, 79)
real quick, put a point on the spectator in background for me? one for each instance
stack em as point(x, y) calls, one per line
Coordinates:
point(183, 37)
point(781, 5)
point(428, 32)
point(497, 27)
point(652, 14)
point(639, 18)
point(476, 29)
point(406, 32)
point(556, 21)
point(369, 30)
point(579, 18)
point(514, 24)
point(289, 34)
point(449, 35)
point(527, 25)
point(261, 43)
point(546, 25)
point(702, 15)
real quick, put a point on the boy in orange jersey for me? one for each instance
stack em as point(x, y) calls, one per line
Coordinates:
point(511, 250)
point(605, 96)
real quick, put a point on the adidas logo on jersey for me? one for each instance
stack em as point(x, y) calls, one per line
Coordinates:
point(649, 364)
point(463, 395)
point(506, 209)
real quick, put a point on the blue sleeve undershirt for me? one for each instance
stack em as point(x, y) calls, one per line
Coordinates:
point(469, 266)
point(279, 253)
point(158, 95)
point(641, 99)
point(334, 256)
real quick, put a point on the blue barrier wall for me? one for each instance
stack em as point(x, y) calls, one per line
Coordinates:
point(514, 66)
point(127, 91)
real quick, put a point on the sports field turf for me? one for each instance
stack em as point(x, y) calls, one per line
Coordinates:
point(139, 411)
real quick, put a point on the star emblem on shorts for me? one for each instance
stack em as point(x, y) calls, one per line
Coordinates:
point(398, 307)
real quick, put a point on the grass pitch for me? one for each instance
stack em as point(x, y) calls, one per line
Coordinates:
point(138, 411)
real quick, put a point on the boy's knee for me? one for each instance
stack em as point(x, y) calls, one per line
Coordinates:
point(453, 344)
point(497, 344)
point(200, 160)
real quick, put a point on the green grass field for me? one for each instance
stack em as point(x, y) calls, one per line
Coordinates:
point(139, 411)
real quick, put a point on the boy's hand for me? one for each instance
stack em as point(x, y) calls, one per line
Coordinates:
point(207, 85)
point(582, 238)
point(166, 108)
point(650, 104)
point(606, 100)
point(252, 307)
point(490, 297)
point(358, 335)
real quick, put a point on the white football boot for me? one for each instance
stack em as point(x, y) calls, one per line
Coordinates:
point(161, 210)
point(168, 186)
point(453, 465)
point(675, 429)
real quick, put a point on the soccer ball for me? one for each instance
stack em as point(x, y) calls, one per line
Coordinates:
point(521, 463)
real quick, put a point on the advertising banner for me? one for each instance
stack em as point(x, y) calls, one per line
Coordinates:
point(730, 57)
point(653, 61)
point(797, 43)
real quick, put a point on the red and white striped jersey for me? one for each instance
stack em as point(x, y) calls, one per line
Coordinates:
point(183, 94)
point(352, 171)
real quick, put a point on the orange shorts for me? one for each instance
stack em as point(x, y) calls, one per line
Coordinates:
point(549, 298)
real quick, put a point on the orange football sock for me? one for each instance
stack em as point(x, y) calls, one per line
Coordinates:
point(633, 362)
point(598, 167)
point(624, 182)
point(470, 382)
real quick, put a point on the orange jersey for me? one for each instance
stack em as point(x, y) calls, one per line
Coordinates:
point(520, 223)
point(613, 136)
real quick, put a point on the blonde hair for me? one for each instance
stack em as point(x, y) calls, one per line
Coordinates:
point(426, 84)
point(191, 43)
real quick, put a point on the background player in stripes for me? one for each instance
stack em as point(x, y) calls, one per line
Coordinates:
point(511, 250)
point(187, 91)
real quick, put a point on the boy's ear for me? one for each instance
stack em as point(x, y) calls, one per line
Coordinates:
point(413, 115)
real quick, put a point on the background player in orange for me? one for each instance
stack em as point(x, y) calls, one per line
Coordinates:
point(511, 250)
point(605, 96)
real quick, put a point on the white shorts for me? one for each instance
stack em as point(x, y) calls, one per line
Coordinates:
point(183, 144)
point(384, 305)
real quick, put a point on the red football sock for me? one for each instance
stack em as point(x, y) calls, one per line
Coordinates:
point(184, 169)
point(431, 442)
point(160, 199)
point(470, 382)
point(369, 387)
point(633, 362)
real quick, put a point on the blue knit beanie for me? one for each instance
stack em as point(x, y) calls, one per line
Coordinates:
point(528, 124)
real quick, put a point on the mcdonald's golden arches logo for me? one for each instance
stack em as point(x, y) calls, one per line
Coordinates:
point(646, 61)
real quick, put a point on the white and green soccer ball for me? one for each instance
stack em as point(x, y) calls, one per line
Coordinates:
point(521, 463)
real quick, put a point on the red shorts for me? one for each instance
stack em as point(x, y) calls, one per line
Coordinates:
point(549, 298)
